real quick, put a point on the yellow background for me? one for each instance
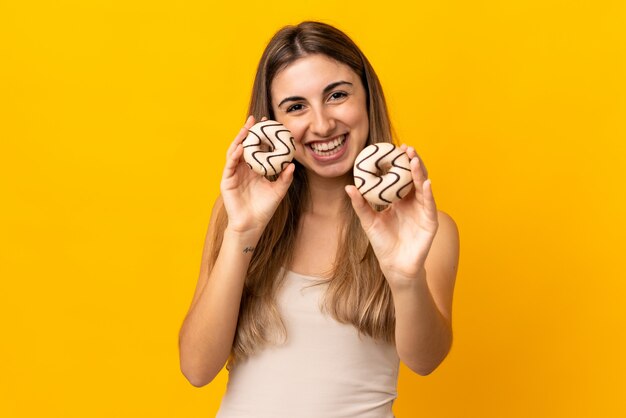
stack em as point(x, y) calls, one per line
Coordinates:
point(114, 121)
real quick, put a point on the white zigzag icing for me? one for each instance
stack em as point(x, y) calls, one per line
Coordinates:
point(390, 187)
point(268, 148)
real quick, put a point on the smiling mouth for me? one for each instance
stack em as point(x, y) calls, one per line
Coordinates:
point(328, 148)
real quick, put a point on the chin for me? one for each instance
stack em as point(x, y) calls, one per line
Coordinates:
point(334, 172)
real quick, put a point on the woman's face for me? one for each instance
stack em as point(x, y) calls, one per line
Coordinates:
point(323, 103)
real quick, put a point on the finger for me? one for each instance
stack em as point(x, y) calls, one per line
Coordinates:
point(403, 147)
point(285, 178)
point(418, 179)
point(410, 151)
point(416, 165)
point(423, 167)
point(233, 161)
point(429, 201)
point(264, 118)
point(241, 135)
point(363, 210)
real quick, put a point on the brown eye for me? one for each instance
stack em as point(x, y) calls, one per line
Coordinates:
point(294, 108)
point(338, 95)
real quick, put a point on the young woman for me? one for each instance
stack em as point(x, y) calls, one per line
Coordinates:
point(311, 294)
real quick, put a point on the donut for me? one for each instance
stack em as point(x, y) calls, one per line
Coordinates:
point(379, 188)
point(268, 148)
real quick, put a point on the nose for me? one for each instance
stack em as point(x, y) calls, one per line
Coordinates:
point(322, 123)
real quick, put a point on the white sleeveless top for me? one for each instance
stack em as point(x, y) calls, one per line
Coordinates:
point(324, 370)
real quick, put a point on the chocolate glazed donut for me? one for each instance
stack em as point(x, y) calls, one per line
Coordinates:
point(268, 148)
point(379, 188)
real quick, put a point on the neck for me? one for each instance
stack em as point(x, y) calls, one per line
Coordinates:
point(328, 196)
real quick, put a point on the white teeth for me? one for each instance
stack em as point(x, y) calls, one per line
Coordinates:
point(328, 148)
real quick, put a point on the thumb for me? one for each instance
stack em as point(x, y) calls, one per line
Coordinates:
point(285, 178)
point(363, 210)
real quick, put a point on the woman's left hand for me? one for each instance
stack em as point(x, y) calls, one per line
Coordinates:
point(402, 234)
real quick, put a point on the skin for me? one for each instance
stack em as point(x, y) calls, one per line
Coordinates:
point(417, 246)
point(318, 115)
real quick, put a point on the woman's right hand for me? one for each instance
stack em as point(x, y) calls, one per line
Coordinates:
point(249, 198)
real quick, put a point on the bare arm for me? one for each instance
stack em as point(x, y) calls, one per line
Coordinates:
point(207, 333)
point(424, 305)
point(417, 248)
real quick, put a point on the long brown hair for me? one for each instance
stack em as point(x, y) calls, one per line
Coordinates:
point(357, 292)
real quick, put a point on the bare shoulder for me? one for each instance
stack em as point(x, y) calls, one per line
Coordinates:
point(442, 263)
point(445, 247)
point(448, 231)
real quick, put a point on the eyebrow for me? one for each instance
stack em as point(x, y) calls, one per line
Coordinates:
point(327, 89)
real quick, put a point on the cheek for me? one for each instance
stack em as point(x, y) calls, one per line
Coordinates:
point(355, 116)
point(296, 129)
